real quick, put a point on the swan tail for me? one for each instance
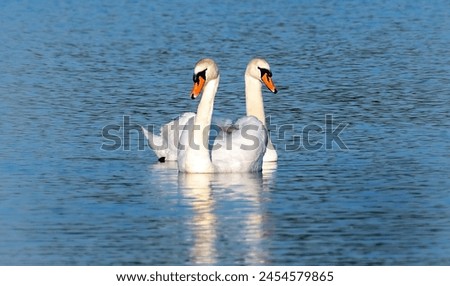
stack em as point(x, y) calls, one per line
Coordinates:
point(155, 143)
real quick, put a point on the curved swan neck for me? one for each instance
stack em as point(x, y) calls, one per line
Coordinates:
point(197, 153)
point(206, 105)
point(253, 98)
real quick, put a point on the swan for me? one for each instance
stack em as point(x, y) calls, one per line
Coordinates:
point(239, 149)
point(165, 145)
point(258, 72)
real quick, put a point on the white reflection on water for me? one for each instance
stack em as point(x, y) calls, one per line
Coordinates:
point(203, 192)
point(197, 189)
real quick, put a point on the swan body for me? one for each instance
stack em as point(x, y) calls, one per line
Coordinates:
point(257, 73)
point(238, 149)
point(165, 145)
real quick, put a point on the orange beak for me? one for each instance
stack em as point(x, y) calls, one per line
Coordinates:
point(269, 83)
point(198, 87)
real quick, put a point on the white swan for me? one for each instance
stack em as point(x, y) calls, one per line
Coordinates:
point(240, 149)
point(258, 72)
point(165, 145)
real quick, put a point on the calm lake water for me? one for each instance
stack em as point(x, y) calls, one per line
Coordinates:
point(380, 68)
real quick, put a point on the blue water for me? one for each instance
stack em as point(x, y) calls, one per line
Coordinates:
point(380, 68)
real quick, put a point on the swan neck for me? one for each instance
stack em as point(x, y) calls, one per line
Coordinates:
point(253, 99)
point(198, 152)
point(206, 105)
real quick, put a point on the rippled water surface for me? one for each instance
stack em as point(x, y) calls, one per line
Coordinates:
point(380, 195)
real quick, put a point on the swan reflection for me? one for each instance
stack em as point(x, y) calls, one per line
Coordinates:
point(197, 191)
point(216, 229)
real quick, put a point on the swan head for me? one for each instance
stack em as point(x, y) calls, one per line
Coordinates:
point(259, 69)
point(205, 70)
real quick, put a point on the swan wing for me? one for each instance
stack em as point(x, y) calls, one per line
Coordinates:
point(240, 147)
point(165, 145)
point(156, 143)
point(171, 133)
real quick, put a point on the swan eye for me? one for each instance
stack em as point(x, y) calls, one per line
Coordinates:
point(196, 77)
point(265, 71)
